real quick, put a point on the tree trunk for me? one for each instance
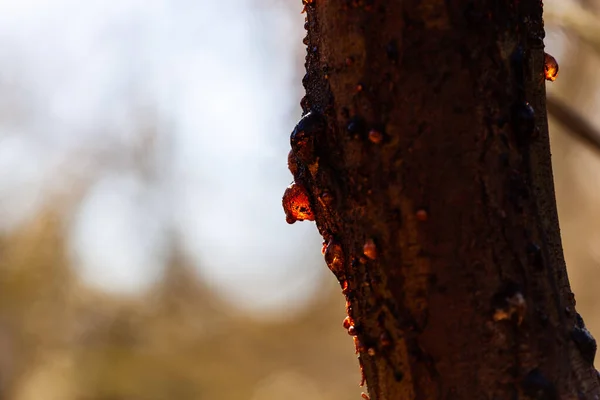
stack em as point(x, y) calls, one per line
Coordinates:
point(423, 156)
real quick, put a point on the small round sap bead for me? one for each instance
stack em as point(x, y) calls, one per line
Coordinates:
point(356, 127)
point(348, 322)
point(550, 67)
point(391, 50)
point(535, 385)
point(334, 256)
point(345, 288)
point(523, 122)
point(422, 215)
point(509, 304)
point(302, 138)
point(584, 340)
point(534, 255)
point(305, 4)
point(385, 340)
point(296, 204)
point(375, 136)
point(352, 330)
point(370, 249)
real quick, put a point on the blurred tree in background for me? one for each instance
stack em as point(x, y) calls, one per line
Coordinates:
point(59, 339)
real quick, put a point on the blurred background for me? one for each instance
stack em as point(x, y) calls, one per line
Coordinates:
point(144, 253)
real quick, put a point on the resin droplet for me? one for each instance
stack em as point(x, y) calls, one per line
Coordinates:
point(515, 306)
point(370, 250)
point(422, 215)
point(550, 67)
point(334, 257)
point(398, 376)
point(536, 386)
point(345, 288)
point(391, 50)
point(375, 136)
point(347, 323)
point(302, 139)
point(509, 304)
point(365, 396)
point(523, 119)
point(356, 127)
point(371, 351)
point(534, 255)
point(296, 204)
point(385, 340)
point(584, 340)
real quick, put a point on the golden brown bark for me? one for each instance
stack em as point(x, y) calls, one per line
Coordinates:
point(424, 155)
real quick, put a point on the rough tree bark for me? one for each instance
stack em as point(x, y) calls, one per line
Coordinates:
point(423, 156)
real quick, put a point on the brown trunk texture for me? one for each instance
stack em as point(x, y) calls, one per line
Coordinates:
point(423, 156)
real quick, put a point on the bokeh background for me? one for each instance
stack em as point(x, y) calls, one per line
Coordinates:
point(144, 254)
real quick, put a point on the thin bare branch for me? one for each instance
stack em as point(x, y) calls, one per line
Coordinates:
point(575, 123)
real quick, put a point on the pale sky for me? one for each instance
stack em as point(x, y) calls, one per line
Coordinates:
point(210, 90)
